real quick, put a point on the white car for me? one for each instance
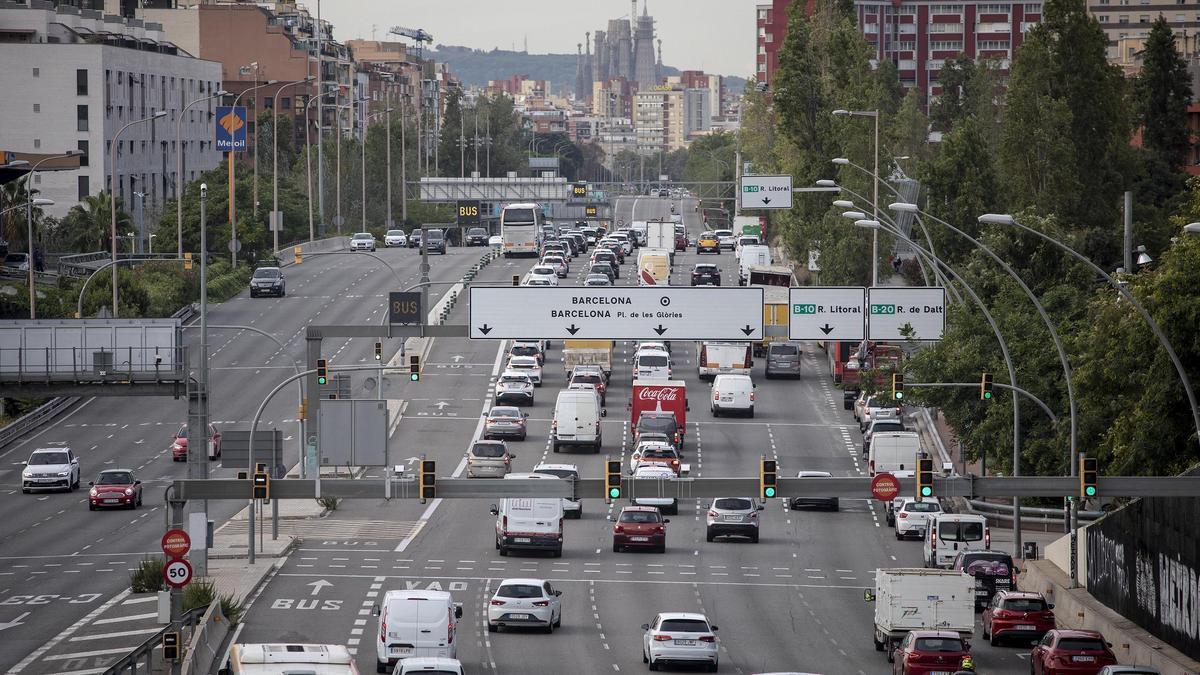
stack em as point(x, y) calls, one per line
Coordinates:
point(362, 241)
point(395, 238)
point(655, 449)
point(912, 517)
point(572, 508)
point(679, 637)
point(726, 239)
point(514, 385)
point(667, 505)
point(561, 268)
point(429, 665)
point(496, 241)
point(50, 469)
point(525, 602)
point(528, 365)
point(541, 281)
point(542, 275)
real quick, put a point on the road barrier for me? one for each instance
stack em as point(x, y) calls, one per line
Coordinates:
point(35, 418)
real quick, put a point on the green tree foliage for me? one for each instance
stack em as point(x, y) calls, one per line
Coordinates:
point(1162, 92)
point(961, 183)
point(711, 158)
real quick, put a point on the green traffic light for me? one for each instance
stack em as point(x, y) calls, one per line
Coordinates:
point(1090, 491)
point(321, 380)
point(414, 377)
point(987, 395)
point(769, 492)
point(926, 491)
point(614, 493)
point(899, 395)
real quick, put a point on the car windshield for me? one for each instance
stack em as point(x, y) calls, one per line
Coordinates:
point(434, 234)
point(887, 426)
point(115, 478)
point(516, 379)
point(940, 644)
point(524, 351)
point(477, 232)
point(732, 504)
point(706, 269)
point(587, 377)
point(653, 360)
point(784, 350)
point(487, 450)
point(922, 507)
point(640, 517)
point(519, 591)
point(395, 233)
point(1025, 605)
point(362, 235)
point(47, 458)
point(658, 453)
point(266, 273)
point(504, 412)
point(960, 531)
point(683, 626)
point(1074, 644)
point(558, 473)
point(664, 423)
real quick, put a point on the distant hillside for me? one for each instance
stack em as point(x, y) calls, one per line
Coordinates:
point(477, 66)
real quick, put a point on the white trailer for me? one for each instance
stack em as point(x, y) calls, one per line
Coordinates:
point(908, 599)
point(660, 234)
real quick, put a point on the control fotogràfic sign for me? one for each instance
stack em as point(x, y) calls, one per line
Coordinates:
point(658, 313)
point(906, 312)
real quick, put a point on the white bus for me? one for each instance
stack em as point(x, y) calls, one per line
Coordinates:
point(520, 228)
point(271, 659)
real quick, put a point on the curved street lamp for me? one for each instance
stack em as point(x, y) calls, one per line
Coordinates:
point(112, 193)
point(179, 167)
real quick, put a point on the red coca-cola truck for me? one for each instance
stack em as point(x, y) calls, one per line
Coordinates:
point(656, 399)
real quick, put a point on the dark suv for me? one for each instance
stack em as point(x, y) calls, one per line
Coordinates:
point(477, 236)
point(993, 571)
point(663, 423)
point(435, 241)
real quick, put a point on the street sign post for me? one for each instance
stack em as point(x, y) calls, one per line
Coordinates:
point(766, 192)
point(892, 309)
point(177, 573)
point(176, 543)
point(230, 128)
point(667, 313)
point(826, 313)
point(884, 487)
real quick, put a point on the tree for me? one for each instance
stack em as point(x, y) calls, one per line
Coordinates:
point(452, 135)
point(961, 183)
point(1162, 92)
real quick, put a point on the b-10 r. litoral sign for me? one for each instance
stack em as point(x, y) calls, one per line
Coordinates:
point(651, 313)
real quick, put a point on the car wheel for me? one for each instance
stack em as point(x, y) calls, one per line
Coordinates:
point(616, 549)
point(503, 551)
point(653, 665)
point(558, 621)
point(558, 552)
point(716, 413)
point(754, 538)
point(709, 536)
point(644, 659)
point(712, 667)
point(24, 491)
point(139, 500)
point(91, 506)
point(662, 549)
point(751, 411)
point(899, 537)
point(556, 447)
point(522, 437)
point(549, 629)
point(986, 635)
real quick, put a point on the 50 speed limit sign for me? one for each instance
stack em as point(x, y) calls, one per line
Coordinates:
point(177, 573)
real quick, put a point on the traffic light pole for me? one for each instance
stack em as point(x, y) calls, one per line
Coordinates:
point(1041, 404)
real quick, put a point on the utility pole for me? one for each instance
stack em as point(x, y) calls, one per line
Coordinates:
point(462, 143)
point(387, 121)
point(320, 123)
point(198, 413)
point(403, 162)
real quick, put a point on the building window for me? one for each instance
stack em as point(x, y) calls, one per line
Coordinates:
point(1036, 7)
point(83, 189)
point(1123, 19)
point(83, 148)
point(81, 118)
point(37, 143)
point(994, 9)
point(941, 45)
point(37, 72)
point(81, 83)
point(37, 107)
point(1145, 18)
point(269, 102)
point(1179, 18)
point(993, 44)
point(285, 102)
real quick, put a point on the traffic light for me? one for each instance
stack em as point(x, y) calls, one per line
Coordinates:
point(516, 280)
point(924, 477)
point(187, 261)
point(378, 350)
point(428, 479)
point(322, 371)
point(414, 368)
point(262, 486)
point(897, 386)
point(612, 480)
point(985, 387)
point(299, 258)
point(767, 478)
point(1088, 473)
point(170, 646)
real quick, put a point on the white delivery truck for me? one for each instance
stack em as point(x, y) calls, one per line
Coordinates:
point(661, 234)
point(757, 255)
point(718, 358)
point(908, 599)
point(893, 451)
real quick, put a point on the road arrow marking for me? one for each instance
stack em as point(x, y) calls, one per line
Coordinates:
point(573, 329)
point(14, 623)
point(485, 329)
point(457, 357)
point(660, 330)
point(441, 405)
point(826, 329)
point(318, 585)
point(747, 330)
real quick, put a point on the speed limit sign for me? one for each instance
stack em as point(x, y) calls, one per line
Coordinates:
point(177, 573)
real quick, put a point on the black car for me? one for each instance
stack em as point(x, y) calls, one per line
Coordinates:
point(706, 274)
point(604, 268)
point(993, 571)
point(267, 281)
point(477, 236)
point(608, 257)
point(436, 241)
point(414, 238)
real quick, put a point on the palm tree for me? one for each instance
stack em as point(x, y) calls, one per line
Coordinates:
point(14, 194)
point(97, 225)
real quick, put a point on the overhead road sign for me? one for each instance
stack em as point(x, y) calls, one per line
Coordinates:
point(231, 128)
point(826, 313)
point(766, 192)
point(659, 313)
point(892, 310)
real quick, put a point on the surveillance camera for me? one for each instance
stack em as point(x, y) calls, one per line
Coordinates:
point(204, 187)
point(158, 359)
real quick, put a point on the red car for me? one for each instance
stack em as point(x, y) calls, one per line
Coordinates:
point(179, 444)
point(923, 652)
point(681, 241)
point(1017, 614)
point(1071, 652)
point(115, 487)
point(640, 527)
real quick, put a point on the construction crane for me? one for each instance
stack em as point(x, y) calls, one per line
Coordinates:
point(419, 35)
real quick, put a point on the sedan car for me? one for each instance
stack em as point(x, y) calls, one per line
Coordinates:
point(561, 268)
point(541, 281)
point(528, 365)
point(525, 603)
point(572, 506)
point(733, 517)
point(1071, 652)
point(924, 652)
point(1020, 615)
point(726, 239)
point(489, 459)
point(505, 422)
point(395, 238)
point(514, 385)
point(830, 503)
point(598, 280)
point(362, 241)
point(414, 239)
point(115, 487)
point(179, 444)
point(639, 527)
point(267, 281)
point(706, 274)
point(680, 637)
point(604, 268)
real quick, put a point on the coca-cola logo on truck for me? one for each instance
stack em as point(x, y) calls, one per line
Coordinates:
point(659, 394)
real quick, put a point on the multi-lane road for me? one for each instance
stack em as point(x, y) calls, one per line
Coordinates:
point(792, 602)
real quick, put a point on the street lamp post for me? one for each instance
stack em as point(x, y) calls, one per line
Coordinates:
point(875, 199)
point(233, 174)
point(112, 193)
point(30, 202)
point(366, 130)
point(179, 167)
point(276, 220)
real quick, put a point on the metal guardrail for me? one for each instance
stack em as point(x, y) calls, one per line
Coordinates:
point(141, 658)
point(35, 418)
point(47, 278)
point(78, 265)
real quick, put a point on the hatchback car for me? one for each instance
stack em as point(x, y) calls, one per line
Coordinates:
point(528, 365)
point(362, 241)
point(544, 275)
point(267, 281)
point(733, 517)
point(640, 527)
point(489, 459)
point(912, 517)
point(594, 379)
point(597, 280)
point(395, 238)
point(680, 637)
point(525, 603)
point(706, 274)
point(1018, 615)
point(654, 452)
point(708, 243)
point(527, 348)
point(561, 268)
point(514, 385)
point(663, 423)
point(505, 422)
point(572, 507)
point(924, 652)
point(726, 239)
point(830, 503)
point(1071, 652)
point(179, 443)
point(115, 487)
point(604, 269)
point(657, 471)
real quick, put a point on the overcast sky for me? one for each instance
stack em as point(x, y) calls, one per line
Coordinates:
point(716, 36)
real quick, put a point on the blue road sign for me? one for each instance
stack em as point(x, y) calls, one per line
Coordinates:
point(231, 128)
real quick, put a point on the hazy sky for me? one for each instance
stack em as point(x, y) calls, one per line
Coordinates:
point(716, 36)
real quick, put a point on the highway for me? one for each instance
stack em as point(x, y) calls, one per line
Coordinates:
point(60, 563)
point(793, 602)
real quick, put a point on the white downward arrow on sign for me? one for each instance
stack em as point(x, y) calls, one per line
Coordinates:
point(318, 585)
point(14, 623)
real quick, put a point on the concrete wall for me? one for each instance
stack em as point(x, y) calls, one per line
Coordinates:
point(1059, 553)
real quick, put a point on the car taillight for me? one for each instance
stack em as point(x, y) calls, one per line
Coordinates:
point(708, 638)
point(902, 515)
point(751, 397)
point(712, 514)
point(754, 514)
point(382, 631)
point(554, 425)
point(933, 537)
point(716, 395)
point(662, 638)
point(450, 631)
point(497, 603)
point(541, 603)
point(504, 523)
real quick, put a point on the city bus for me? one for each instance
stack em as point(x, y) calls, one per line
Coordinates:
point(520, 228)
point(270, 659)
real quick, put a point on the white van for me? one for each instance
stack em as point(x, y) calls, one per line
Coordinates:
point(948, 534)
point(415, 623)
point(732, 393)
point(652, 364)
point(577, 416)
point(893, 451)
point(756, 255)
point(270, 659)
point(654, 267)
point(529, 524)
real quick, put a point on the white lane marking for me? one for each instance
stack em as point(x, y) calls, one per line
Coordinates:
point(53, 642)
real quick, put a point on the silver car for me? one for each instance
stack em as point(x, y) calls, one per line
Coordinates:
point(505, 421)
point(362, 241)
point(783, 359)
point(514, 385)
point(733, 516)
point(489, 459)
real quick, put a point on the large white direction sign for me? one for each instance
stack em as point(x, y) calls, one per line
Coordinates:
point(659, 313)
point(826, 313)
point(766, 192)
point(893, 310)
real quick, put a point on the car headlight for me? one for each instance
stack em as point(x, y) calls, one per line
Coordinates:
point(92, 492)
point(129, 491)
point(26, 474)
point(176, 446)
point(65, 473)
